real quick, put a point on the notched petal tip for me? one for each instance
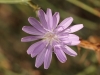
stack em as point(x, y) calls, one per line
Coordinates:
point(22, 40)
point(28, 52)
point(23, 28)
point(81, 26)
point(75, 55)
point(37, 66)
point(30, 18)
point(71, 18)
point(48, 9)
point(69, 51)
point(40, 10)
point(46, 67)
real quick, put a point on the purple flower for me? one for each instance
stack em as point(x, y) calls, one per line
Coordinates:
point(51, 36)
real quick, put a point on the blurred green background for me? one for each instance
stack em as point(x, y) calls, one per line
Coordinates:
point(13, 57)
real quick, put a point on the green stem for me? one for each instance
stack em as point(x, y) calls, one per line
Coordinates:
point(31, 4)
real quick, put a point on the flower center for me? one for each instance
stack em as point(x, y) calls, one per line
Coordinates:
point(50, 36)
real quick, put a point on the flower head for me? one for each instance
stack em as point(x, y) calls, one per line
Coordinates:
point(51, 36)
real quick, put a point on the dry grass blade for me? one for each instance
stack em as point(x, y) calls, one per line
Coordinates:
point(88, 45)
point(85, 7)
point(91, 44)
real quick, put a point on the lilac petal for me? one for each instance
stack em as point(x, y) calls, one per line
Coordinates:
point(65, 23)
point(40, 58)
point(73, 37)
point(36, 24)
point(56, 18)
point(69, 36)
point(59, 29)
point(31, 30)
point(48, 57)
point(33, 46)
point(60, 54)
point(69, 51)
point(30, 38)
point(70, 39)
point(38, 48)
point(43, 18)
point(73, 43)
point(75, 28)
point(50, 18)
point(64, 39)
point(67, 42)
point(63, 33)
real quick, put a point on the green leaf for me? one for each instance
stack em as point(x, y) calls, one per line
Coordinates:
point(13, 1)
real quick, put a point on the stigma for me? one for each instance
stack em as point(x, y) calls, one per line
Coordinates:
point(50, 37)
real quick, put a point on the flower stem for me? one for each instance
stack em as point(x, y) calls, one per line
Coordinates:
point(34, 6)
